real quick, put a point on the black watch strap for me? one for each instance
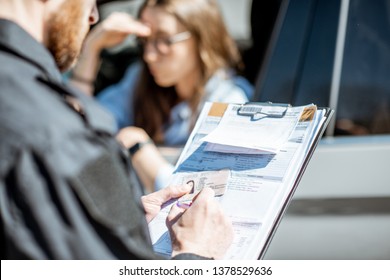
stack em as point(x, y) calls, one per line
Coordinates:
point(137, 146)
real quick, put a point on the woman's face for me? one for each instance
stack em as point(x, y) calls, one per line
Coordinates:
point(171, 62)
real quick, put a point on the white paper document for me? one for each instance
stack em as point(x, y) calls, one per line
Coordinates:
point(254, 187)
point(268, 133)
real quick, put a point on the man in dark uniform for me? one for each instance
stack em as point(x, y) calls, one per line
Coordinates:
point(65, 192)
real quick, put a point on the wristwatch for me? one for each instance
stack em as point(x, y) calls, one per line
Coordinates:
point(137, 146)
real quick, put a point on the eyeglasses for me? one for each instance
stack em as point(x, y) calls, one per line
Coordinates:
point(163, 44)
point(258, 111)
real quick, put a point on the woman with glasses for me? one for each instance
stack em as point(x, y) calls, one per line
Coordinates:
point(188, 58)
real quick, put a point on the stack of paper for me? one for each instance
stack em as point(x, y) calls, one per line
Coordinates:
point(260, 184)
point(265, 134)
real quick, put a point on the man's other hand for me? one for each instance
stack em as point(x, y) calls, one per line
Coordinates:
point(152, 202)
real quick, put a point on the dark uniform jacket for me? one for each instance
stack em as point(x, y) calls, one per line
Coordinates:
point(65, 192)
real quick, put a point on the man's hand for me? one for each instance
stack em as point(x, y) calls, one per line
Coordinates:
point(202, 229)
point(152, 202)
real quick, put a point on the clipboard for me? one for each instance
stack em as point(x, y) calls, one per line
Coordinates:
point(196, 158)
point(328, 115)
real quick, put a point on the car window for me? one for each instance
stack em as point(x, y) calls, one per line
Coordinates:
point(299, 67)
point(364, 97)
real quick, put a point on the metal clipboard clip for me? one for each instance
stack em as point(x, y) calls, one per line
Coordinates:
point(261, 110)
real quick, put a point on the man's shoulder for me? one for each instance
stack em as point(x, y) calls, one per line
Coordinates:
point(30, 114)
point(13, 66)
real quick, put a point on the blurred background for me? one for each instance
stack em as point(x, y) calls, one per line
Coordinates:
point(332, 53)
